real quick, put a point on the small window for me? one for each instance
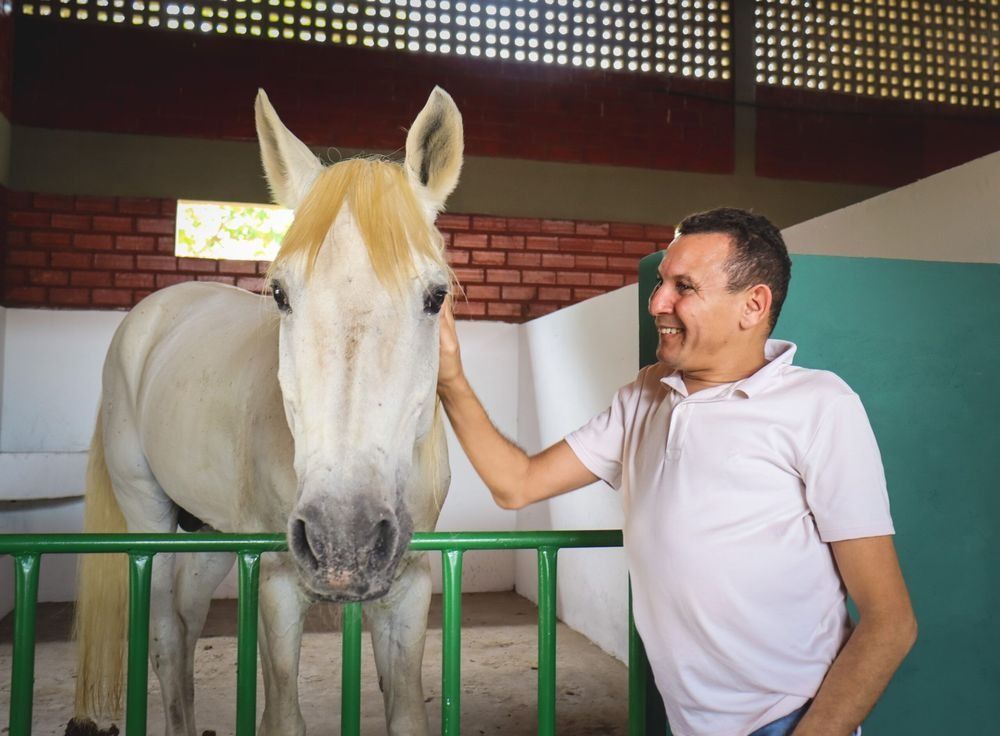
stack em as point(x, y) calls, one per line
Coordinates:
point(230, 230)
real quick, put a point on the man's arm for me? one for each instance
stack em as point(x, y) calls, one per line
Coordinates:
point(877, 646)
point(514, 478)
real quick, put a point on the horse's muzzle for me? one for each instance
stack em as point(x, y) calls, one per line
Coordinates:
point(348, 554)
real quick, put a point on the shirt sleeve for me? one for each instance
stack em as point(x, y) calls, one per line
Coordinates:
point(600, 442)
point(844, 479)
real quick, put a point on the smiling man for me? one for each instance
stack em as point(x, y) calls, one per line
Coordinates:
point(754, 499)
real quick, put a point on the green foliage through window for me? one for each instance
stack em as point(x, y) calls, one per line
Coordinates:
point(230, 231)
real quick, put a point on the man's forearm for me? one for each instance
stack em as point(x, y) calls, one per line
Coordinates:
point(501, 464)
point(858, 677)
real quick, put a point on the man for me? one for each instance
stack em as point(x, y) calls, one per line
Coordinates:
point(753, 494)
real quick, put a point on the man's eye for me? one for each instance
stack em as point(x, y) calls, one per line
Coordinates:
point(681, 286)
point(434, 298)
point(280, 297)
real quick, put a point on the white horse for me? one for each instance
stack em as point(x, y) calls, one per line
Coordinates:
point(311, 410)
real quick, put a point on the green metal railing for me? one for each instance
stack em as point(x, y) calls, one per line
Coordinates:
point(27, 550)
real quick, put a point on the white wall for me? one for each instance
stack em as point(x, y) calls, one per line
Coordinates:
point(57, 572)
point(51, 379)
point(953, 216)
point(50, 365)
point(572, 362)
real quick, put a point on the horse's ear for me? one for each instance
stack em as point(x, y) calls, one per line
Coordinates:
point(290, 166)
point(434, 148)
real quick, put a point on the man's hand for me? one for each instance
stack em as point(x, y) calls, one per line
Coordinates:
point(450, 369)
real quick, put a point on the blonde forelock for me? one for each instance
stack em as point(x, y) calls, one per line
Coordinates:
point(389, 217)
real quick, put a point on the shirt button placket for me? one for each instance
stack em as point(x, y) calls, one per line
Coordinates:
point(678, 426)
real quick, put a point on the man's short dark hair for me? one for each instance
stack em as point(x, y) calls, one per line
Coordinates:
point(758, 255)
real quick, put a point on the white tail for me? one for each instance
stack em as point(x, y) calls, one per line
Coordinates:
point(102, 598)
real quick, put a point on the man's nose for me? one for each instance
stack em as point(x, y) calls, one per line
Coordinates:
point(661, 301)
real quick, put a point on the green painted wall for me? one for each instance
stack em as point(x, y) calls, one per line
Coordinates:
point(919, 343)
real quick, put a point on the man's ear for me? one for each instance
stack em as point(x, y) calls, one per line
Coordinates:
point(756, 307)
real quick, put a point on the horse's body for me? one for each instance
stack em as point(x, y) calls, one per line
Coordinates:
point(313, 412)
point(209, 423)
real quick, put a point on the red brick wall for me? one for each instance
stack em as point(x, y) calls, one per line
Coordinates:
point(100, 252)
point(128, 80)
point(518, 268)
point(842, 138)
point(107, 253)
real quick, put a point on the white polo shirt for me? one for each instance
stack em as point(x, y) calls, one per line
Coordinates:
point(731, 496)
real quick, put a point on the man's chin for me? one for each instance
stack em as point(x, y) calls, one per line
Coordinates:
point(669, 359)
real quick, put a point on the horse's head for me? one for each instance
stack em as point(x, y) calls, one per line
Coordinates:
point(358, 283)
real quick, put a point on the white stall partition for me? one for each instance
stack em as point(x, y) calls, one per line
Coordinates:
point(572, 362)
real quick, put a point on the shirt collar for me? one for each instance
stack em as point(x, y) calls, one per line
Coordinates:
point(777, 353)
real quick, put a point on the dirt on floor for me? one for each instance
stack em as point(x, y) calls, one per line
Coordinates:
point(499, 674)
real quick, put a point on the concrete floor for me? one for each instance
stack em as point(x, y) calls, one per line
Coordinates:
point(499, 675)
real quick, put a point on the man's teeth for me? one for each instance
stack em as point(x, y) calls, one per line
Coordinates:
point(671, 330)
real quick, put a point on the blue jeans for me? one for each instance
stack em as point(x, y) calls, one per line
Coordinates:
point(785, 725)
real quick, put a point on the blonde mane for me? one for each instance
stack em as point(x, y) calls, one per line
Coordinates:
point(392, 222)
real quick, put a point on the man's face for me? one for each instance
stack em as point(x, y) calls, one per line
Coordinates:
point(697, 318)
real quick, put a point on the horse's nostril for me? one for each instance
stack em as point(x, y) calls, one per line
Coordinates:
point(384, 538)
point(301, 545)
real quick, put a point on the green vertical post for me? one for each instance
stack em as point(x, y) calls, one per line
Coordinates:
point(646, 716)
point(23, 669)
point(636, 677)
point(350, 670)
point(246, 642)
point(451, 670)
point(140, 573)
point(547, 640)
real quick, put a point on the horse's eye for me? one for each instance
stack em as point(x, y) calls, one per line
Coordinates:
point(434, 298)
point(280, 297)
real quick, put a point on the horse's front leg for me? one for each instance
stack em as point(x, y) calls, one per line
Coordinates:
point(282, 609)
point(398, 623)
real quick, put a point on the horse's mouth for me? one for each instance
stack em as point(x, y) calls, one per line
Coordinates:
point(350, 593)
point(353, 557)
point(352, 582)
